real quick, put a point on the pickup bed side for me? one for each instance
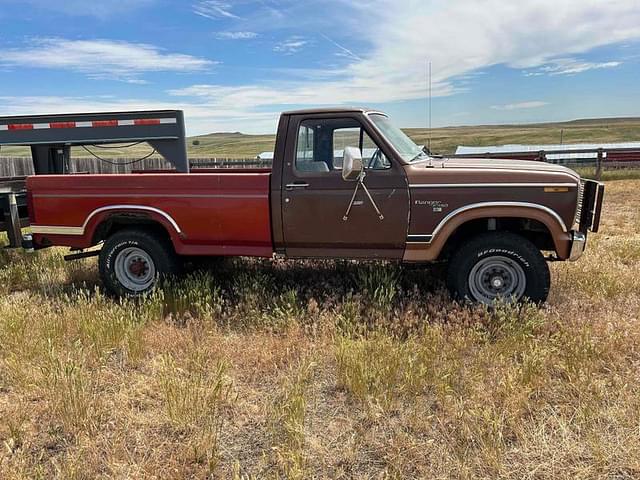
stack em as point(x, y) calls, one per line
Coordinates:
point(223, 213)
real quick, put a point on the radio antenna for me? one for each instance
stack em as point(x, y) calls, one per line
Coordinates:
point(429, 107)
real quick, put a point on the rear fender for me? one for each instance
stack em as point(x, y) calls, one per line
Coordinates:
point(105, 214)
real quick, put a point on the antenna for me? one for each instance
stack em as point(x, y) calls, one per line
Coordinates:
point(429, 104)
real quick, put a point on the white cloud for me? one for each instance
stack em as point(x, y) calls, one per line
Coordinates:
point(460, 38)
point(395, 41)
point(466, 35)
point(214, 9)
point(520, 106)
point(236, 35)
point(570, 66)
point(101, 59)
point(291, 45)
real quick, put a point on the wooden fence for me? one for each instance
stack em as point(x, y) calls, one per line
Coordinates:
point(23, 166)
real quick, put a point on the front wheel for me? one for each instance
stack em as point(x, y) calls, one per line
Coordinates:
point(131, 262)
point(499, 265)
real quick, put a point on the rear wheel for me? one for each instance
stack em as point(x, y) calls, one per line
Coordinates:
point(132, 262)
point(498, 265)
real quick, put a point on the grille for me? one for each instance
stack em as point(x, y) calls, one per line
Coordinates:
point(580, 199)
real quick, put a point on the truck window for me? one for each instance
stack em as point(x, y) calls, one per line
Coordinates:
point(304, 152)
point(321, 144)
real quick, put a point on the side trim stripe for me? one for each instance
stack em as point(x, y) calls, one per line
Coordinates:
point(149, 195)
point(493, 185)
point(63, 230)
point(419, 238)
point(52, 230)
point(483, 169)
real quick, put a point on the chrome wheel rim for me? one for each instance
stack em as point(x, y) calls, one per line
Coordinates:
point(135, 269)
point(497, 277)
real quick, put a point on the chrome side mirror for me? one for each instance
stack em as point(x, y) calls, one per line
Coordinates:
point(352, 166)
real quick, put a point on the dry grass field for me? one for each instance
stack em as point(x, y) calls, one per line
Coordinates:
point(331, 370)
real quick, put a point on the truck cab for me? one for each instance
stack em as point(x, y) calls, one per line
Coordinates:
point(489, 219)
point(312, 195)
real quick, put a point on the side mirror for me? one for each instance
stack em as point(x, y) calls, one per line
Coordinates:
point(352, 165)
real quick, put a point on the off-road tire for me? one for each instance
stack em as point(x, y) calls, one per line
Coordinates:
point(159, 251)
point(513, 249)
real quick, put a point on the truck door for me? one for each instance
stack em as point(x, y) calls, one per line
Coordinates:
point(315, 197)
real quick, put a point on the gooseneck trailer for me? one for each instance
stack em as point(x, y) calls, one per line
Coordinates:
point(51, 137)
point(495, 222)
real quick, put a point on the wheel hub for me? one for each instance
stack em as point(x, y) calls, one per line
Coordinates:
point(138, 267)
point(135, 269)
point(497, 277)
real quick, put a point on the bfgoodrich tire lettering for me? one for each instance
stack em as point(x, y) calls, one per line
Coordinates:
point(498, 265)
point(132, 261)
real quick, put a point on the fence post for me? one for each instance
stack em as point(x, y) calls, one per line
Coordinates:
point(599, 164)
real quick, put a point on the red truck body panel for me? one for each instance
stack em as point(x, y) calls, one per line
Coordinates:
point(205, 213)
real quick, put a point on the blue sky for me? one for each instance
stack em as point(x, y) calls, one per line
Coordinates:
point(233, 65)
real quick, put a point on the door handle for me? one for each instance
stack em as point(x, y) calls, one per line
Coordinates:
point(291, 186)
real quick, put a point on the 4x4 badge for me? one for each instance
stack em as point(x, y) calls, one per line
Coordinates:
point(436, 205)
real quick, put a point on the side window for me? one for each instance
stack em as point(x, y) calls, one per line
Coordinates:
point(321, 143)
point(344, 137)
point(372, 156)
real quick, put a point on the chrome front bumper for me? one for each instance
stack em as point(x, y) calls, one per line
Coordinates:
point(578, 244)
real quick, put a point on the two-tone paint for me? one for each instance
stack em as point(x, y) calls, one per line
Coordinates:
point(301, 214)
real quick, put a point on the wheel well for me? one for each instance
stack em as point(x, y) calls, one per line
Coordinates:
point(533, 230)
point(122, 221)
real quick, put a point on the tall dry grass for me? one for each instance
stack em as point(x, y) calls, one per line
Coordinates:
point(323, 370)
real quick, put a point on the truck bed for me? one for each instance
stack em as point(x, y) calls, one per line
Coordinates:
point(215, 212)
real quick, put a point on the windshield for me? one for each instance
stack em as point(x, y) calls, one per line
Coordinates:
point(408, 150)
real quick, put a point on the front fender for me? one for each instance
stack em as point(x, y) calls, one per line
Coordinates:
point(429, 251)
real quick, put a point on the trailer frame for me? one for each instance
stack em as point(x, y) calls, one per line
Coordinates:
point(51, 137)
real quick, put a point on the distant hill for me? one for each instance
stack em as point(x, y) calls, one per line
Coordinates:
point(230, 145)
point(443, 140)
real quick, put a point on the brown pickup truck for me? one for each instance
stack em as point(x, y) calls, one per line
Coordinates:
point(345, 183)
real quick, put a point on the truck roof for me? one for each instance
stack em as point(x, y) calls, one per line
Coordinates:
point(306, 111)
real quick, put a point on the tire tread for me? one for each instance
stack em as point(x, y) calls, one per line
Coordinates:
point(159, 248)
point(537, 286)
